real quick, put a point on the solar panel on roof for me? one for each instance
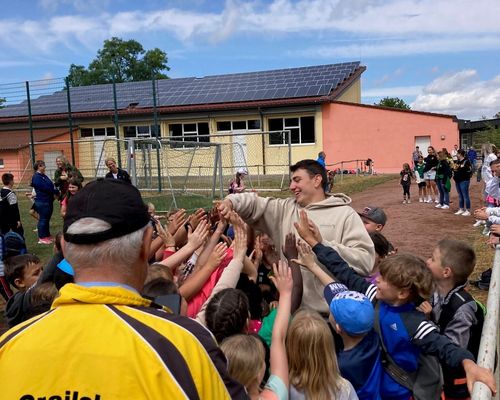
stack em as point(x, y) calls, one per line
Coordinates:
point(262, 85)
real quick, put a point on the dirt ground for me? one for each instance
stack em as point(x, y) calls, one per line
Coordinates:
point(417, 227)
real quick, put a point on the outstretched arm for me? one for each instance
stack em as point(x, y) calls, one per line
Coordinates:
point(282, 279)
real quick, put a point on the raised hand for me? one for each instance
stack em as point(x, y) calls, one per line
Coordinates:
point(307, 229)
point(176, 221)
point(195, 218)
point(290, 247)
point(225, 207)
point(217, 255)
point(306, 255)
point(282, 277)
point(197, 237)
point(240, 242)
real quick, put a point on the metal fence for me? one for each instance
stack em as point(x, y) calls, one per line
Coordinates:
point(490, 338)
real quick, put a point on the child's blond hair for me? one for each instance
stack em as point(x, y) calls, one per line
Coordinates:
point(406, 271)
point(246, 356)
point(311, 357)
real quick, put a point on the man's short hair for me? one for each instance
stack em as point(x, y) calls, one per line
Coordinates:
point(459, 257)
point(16, 265)
point(38, 164)
point(7, 178)
point(313, 168)
point(406, 271)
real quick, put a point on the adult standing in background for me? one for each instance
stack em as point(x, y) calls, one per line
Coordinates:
point(454, 153)
point(115, 172)
point(472, 156)
point(322, 158)
point(44, 201)
point(415, 155)
point(431, 163)
point(64, 172)
point(461, 174)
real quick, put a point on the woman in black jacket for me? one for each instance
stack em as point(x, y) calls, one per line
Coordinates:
point(443, 180)
point(461, 175)
point(431, 163)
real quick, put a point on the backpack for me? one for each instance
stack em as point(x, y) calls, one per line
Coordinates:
point(425, 383)
point(457, 300)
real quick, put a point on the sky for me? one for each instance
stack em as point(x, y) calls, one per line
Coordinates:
point(439, 56)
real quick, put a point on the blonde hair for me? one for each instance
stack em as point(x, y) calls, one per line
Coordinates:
point(245, 356)
point(312, 362)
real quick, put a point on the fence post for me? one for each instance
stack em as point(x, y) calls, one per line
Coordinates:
point(155, 118)
point(30, 122)
point(117, 130)
point(70, 122)
point(487, 348)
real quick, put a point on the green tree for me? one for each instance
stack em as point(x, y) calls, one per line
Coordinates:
point(393, 102)
point(488, 135)
point(126, 60)
point(2, 100)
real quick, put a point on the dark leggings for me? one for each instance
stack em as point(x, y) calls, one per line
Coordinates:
point(406, 190)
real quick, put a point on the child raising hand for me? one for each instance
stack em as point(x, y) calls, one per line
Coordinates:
point(246, 353)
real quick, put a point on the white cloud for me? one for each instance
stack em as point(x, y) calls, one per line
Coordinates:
point(397, 91)
point(421, 26)
point(462, 94)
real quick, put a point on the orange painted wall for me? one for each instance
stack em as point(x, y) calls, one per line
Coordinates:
point(353, 131)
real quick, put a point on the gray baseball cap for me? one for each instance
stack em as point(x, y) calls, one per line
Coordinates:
point(374, 214)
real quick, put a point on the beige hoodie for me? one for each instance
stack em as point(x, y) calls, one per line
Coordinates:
point(340, 226)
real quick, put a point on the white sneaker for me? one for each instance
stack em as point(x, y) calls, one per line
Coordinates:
point(420, 200)
point(445, 207)
point(466, 213)
point(404, 201)
point(438, 206)
point(479, 222)
point(486, 231)
point(436, 201)
point(408, 201)
point(460, 212)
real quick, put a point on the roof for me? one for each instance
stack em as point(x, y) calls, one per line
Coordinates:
point(431, 114)
point(467, 125)
point(14, 140)
point(323, 81)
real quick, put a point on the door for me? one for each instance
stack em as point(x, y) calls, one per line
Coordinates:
point(422, 142)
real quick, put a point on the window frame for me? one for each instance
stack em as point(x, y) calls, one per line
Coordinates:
point(190, 134)
point(107, 129)
point(299, 127)
point(232, 121)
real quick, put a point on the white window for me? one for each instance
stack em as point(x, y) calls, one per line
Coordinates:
point(1, 163)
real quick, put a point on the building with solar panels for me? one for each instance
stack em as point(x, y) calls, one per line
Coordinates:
point(258, 120)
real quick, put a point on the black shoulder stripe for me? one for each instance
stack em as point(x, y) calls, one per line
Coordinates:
point(15, 333)
point(203, 335)
point(168, 353)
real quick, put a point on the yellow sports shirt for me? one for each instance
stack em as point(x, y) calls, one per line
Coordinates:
point(103, 343)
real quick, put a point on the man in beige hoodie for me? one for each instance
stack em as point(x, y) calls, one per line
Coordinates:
point(340, 226)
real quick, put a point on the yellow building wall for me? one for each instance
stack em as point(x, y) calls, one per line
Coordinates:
point(353, 93)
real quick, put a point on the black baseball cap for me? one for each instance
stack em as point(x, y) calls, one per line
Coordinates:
point(114, 201)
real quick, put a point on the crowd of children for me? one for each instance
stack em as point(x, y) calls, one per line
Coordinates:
point(235, 282)
point(434, 173)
